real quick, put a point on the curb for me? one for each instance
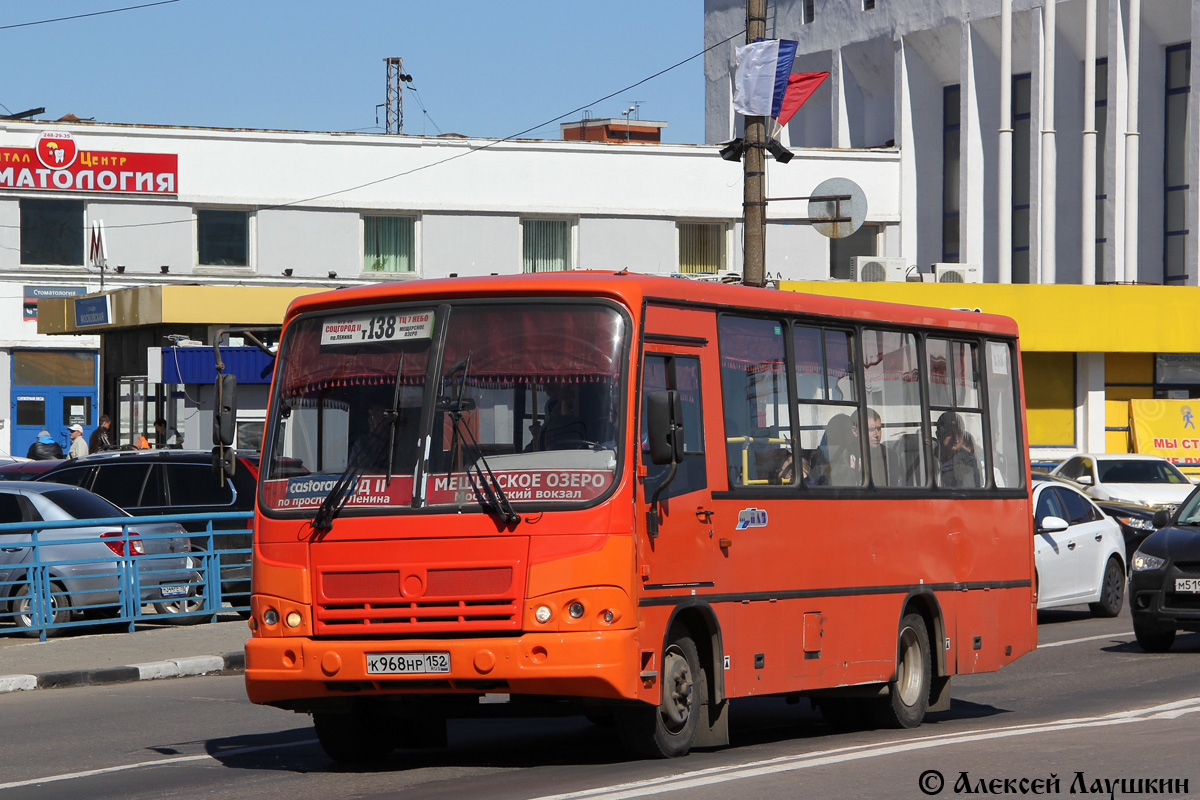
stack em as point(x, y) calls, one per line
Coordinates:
point(154, 670)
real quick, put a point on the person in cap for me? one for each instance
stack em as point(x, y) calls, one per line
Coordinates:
point(44, 447)
point(78, 443)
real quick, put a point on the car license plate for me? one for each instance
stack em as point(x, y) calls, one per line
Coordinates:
point(407, 663)
point(1187, 585)
point(174, 591)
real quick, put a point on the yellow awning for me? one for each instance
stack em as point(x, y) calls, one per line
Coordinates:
point(1058, 317)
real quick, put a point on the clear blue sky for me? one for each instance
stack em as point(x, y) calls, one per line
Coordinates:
point(480, 68)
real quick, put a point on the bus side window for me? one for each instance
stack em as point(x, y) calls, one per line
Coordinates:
point(1008, 457)
point(754, 394)
point(895, 434)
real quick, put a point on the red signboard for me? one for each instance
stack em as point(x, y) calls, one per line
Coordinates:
point(56, 164)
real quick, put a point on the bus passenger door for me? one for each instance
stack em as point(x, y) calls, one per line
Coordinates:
point(680, 555)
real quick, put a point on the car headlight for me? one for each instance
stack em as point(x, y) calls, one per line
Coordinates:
point(1137, 522)
point(1143, 562)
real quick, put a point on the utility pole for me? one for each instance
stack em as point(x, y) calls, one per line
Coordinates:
point(754, 203)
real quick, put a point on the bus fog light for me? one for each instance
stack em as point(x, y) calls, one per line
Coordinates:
point(293, 619)
point(575, 610)
point(608, 615)
point(542, 614)
point(271, 616)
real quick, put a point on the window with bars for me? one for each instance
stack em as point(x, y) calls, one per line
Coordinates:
point(810, 11)
point(545, 245)
point(389, 244)
point(1175, 181)
point(951, 131)
point(52, 232)
point(701, 247)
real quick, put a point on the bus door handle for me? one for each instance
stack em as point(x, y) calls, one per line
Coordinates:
point(704, 515)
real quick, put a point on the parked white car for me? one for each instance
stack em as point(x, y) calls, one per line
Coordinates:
point(1132, 477)
point(1079, 551)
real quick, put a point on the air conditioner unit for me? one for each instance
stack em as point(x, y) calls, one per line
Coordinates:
point(958, 273)
point(878, 268)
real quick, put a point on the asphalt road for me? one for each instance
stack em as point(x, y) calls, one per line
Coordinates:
point(1088, 706)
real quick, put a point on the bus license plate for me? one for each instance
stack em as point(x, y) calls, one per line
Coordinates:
point(407, 663)
point(1187, 585)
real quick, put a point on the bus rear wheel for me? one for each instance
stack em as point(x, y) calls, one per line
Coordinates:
point(668, 730)
point(908, 692)
point(359, 737)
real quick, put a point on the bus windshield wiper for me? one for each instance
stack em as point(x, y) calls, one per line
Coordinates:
point(489, 488)
point(339, 495)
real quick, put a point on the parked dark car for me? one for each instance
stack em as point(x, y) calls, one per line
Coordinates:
point(1136, 521)
point(1164, 585)
point(84, 574)
point(27, 470)
point(151, 482)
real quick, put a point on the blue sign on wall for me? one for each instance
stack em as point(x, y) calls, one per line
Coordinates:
point(92, 311)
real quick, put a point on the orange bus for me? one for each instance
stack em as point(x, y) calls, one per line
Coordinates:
point(635, 498)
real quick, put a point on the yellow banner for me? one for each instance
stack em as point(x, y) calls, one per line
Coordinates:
point(1167, 428)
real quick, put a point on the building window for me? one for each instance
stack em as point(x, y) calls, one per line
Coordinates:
point(868, 5)
point(701, 247)
point(1175, 181)
point(545, 245)
point(388, 244)
point(1022, 117)
point(52, 232)
point(810, 11)
point(1101, 145)
point(223, 237)
point(950, 166)
point(863, 242)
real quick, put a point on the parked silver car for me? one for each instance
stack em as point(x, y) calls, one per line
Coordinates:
point(84, 563)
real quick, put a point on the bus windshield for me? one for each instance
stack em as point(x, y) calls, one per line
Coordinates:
point(412, 407)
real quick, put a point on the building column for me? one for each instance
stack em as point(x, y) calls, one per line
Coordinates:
point(1130, 266)
point(1089, 402)
point(1004, 167)
point(1048, 240)
point(1088, 222)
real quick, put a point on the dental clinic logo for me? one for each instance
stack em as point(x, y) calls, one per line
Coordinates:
point(1186, 411)
point(56, 150)
point(752, 518)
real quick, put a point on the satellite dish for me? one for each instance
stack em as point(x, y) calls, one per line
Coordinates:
point(837, 207)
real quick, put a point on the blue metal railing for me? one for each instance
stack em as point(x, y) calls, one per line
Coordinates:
point(68, 575)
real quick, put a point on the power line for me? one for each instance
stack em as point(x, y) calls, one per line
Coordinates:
point(81, 16)
point(448, 159)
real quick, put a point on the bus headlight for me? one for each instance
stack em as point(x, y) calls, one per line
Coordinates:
point(293, 619)
point(575, 610)
point(271, 617)
point(542, 614)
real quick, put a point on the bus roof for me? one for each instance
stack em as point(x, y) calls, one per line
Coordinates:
point(632, 289)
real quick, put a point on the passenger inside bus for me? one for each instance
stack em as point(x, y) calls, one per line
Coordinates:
point(958, 466)
point(840, 453)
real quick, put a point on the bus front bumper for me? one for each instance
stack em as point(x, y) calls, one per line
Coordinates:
point(585, 664)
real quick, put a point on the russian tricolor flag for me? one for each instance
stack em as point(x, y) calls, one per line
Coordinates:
point(764, 85)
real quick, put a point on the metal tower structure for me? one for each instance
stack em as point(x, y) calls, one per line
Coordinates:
point(396, 78)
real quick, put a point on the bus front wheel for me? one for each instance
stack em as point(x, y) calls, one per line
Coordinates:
point(908, 692)
point(359, 737)
point(668, 730)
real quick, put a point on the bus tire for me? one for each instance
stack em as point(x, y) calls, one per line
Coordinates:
point(668, 729)
point(908, 692)
point(1153, 640)
point(360, 737)
point(1112, 591)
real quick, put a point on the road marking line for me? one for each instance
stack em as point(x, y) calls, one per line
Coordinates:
point(714, 775)
point(156, 763)
point(1087, 639)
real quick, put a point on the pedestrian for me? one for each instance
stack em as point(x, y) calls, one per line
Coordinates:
point(79, 447)
point(165, 437)
point(44, 447)
point(99, 439)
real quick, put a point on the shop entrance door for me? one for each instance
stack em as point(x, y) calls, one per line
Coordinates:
point(51, 389)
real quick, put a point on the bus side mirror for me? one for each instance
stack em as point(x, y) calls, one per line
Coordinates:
point(225, 411)
point(664, 426)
